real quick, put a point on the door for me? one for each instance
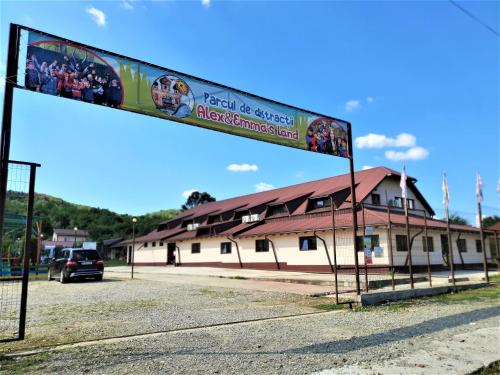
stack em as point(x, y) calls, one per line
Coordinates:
point(171, 253)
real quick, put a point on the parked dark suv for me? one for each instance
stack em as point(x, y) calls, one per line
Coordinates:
point(76, 263)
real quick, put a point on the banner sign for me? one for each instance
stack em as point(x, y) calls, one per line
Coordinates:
point(58, 67)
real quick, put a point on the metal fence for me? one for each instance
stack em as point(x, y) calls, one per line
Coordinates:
point(15, 246)
point(385, 262)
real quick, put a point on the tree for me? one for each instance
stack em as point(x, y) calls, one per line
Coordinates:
point(195, 199)
point(456, 219)
point(490, 220)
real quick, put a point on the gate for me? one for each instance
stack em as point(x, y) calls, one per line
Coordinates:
point(15, 249)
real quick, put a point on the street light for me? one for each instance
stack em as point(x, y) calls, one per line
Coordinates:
point(134, 221)
point(75, 229)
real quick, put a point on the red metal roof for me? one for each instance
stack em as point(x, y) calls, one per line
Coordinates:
point(365, 182)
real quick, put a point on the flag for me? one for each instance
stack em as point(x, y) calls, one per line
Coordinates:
point(402, 184)
point(479, 188)
point(446, 193)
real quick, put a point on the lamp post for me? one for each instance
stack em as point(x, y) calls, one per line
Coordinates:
point(134, 221)
point(75, 229)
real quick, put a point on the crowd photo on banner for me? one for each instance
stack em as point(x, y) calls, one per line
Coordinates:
point(327, 136)
point(63, 70)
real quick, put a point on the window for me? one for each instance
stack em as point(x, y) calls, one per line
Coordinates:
point(307, 243)
point(376, 199)
point(479, 248)
point(195, 248)
point(277, 210)
point(323, 202)
point(161, 243)
point(374, 241)
point(429, 246)
point(80, 255)
point(261, 246)
point(145, 244)
point(225, 247)
point(153, 244)
point(462, 245)
point(411, 203)
point(398, 202)
point(401, 244)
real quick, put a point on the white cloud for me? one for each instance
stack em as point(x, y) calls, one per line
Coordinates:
point(369, 99)
point(352, 105)
point(97, 15)
point(413, 153)
point(187, 193)
point(365, 167)
point(242, 168)
point(380, 141)
point(127, 4)
point(205, 3)
point(299, 174)
point(262, 186)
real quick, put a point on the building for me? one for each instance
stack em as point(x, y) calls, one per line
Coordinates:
point(70, 235)
point(108, 250)
point(292, 228)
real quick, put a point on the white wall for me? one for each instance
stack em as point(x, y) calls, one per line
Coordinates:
point(388, 190)
point(287, 249)
point(150, 254)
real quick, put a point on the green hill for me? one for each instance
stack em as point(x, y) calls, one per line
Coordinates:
point(100, 222)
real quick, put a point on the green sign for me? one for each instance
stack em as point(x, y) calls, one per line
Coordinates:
point(71, 70)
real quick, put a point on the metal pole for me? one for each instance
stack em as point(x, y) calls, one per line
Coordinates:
point(334, 250)
point(450, 247)
point(364, 255)
point(354, 207)
point(326, 251)
point(133, 249)
point(274, 252)
point(427, 248)
point(485, 263)
point(237, 251)
point(8, 98)
point(27, 254)
point(391, 255)
point(408, 243)
point(497, 251)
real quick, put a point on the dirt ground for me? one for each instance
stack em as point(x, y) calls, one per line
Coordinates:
point(207, 325)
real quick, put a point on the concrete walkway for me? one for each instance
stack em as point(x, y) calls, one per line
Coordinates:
point(289, 282)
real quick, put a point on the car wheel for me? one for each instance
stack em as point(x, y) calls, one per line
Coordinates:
point(49, 276)
point(62, 278)
point(98, 278)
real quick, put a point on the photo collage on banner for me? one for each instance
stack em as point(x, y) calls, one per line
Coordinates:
point(58, 67)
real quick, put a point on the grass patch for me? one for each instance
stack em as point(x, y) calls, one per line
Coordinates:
point(492, 369)
point(22, 365)
point(491, 292)
point(115, 263)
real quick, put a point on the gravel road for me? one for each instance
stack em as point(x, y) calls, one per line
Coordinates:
point(421, 338)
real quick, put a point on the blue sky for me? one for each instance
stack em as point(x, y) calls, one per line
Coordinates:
point(419, 81)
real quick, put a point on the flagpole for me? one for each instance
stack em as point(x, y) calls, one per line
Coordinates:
point(450, 247)
point(408, 243)
point(479, 196)
point(485, 263)
point(404, 197)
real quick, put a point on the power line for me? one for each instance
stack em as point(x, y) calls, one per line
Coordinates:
point(474, 18)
